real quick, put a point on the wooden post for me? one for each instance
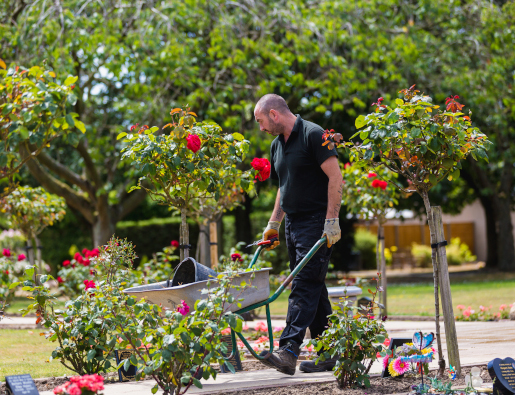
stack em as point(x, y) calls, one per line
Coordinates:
point(383, 273)
point(185, 236)
point(205, 249)
point(445, 291)
point(213, 238)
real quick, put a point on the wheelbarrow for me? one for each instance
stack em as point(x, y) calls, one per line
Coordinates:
point(258, 295)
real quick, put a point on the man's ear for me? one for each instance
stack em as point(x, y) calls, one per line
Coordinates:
point(273, 115)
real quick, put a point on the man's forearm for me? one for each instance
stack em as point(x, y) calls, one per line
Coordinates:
point(334, 194)
point(278, 213)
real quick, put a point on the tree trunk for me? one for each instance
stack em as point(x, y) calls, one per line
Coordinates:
point(492, 253)
point(185, 236)
point(505, 245)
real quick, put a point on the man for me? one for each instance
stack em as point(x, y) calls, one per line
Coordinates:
point(309, 195)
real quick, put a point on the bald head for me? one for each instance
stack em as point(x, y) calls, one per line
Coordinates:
point(273, 115)
point(272, 102)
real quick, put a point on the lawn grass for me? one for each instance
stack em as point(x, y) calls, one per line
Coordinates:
point(418, 299)
point(22, 302)
point(25, 351)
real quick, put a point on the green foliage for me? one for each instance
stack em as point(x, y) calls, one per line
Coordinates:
point(365, 242)
point(458, 252)
point(422, 254)
point(179, 173)
point(33, 209)
point(418, 140)
point(354, 339)
point(369, 194)
point(33, 112)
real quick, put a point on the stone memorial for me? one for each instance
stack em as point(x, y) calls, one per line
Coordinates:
point(21, 384)
point(129, 374)
point(502, 372)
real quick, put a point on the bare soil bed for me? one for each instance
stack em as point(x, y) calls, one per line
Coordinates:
point(378, 386)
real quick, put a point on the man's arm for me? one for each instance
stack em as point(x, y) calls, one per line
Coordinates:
point(335, 188)
point(278, 213)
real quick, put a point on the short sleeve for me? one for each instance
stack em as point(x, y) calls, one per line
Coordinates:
point(273, 173)
point(321, 152)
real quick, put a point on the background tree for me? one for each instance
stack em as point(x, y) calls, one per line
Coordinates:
point(33, 113)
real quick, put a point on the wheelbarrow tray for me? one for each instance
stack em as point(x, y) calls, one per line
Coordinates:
point(256, 290)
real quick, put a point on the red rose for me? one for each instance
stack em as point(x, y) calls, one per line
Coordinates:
point(6, 252)
point(383, 185)
point(66, 263)
point(174, 243)
point(85, 252)
point(193, 142)
point(80, 259)
point(21, 257)
point(89, 284)
point(94, 253)
point(85, 262)
point(7, 272)
point(77, 255)
point(372, 175)
point(92, 272)
point(60, 280)
point(376, 183)
point(262, 165)
point(236, 257)
point(347, 165)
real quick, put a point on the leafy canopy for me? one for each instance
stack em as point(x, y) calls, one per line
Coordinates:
point(180, 172)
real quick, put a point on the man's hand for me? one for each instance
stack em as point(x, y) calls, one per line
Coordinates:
point(270, 231)
point(332, 231)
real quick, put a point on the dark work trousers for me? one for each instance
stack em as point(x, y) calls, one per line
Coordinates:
point(308, 304)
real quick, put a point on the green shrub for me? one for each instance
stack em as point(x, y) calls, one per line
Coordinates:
point(355, 339)
point(458, 252)
point(365, 242)
point(421, 254)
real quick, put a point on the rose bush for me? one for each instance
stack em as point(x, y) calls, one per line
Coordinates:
point(75, 271)
point(355, 339)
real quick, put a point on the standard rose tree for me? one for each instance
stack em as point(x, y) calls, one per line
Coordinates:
point(186, 162)
point(369, 195)
point(424, 144)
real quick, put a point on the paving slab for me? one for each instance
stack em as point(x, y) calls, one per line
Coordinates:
point(224, 383)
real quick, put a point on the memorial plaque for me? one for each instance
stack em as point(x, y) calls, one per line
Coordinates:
point(129, 374)
point(21, 384)
point(394, 342)
point(502, 371)
point(234, 360)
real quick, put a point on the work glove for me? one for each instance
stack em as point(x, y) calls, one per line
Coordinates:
point(270, 231)
point(332, 231)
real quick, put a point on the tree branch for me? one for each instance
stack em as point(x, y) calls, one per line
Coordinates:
point(90, 165)
point(53, 185)
point(133, 200)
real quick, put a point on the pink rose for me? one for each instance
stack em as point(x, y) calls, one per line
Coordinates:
point(236, 257)
point(21, 257)
point(183, 308)
point(66, 263)
point(372, 175)
point(6, 252)
point(175, 243)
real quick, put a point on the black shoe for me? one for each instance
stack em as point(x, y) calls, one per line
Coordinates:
point(283, 360)
point(321, 366)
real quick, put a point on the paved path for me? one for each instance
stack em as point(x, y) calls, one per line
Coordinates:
point(479, 343)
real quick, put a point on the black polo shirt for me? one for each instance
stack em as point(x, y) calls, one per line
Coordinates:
point(296, 164)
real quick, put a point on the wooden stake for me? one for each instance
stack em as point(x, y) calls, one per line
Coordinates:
point(185, 236)
point(213, 238)
point(383, 273)
point(445, 292)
